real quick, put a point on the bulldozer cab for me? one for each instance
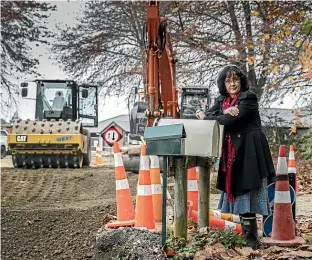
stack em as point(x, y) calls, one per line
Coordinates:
point(62, 99)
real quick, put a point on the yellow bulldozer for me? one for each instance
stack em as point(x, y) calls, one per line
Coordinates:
point(56, 136)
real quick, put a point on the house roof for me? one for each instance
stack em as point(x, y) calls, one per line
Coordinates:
point(283, 117)
point(122, 121)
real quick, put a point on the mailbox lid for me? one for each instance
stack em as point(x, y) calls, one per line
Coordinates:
point(164, 132)
point(202, 136)
point(165, 140)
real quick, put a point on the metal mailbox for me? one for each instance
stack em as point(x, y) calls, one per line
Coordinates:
point(184, 137)
point(165, 140)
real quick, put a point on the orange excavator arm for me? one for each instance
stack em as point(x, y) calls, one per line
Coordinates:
point(160, 68)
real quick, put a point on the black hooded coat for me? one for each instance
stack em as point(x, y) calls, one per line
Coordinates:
point(253, 161)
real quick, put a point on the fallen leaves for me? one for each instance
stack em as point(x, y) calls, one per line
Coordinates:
point(255, 13)
point(108, 218)
point(218, 251)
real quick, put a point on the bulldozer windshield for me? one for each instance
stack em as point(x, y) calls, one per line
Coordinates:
point(54, 100)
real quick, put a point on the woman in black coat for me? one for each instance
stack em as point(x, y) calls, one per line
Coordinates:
point(246, 166)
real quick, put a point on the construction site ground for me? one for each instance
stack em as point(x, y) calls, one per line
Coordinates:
point(56, 213)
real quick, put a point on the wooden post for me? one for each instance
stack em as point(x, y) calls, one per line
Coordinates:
point(164, 200)
point(180, 198)
point(203, 196)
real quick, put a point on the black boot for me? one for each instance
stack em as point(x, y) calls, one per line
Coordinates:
point(250, 232)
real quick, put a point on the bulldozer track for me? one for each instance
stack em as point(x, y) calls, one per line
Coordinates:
point(15, 186)
point(50, 189)
point(58, 188)
point(37, 189)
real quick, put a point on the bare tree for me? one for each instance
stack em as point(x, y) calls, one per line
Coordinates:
point(22, 23)
point(264, 38)
point(107, 45)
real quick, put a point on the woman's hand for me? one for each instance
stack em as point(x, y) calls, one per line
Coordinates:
point(200, 115)
point(233, 111)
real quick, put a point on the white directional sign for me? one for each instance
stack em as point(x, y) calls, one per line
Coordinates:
point(111, 135)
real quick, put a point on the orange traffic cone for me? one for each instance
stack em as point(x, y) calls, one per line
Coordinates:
point(98, 154)
point(144, 213)
point(283, 229)
point(225, 216)
point(156, 188)
point(192, 187)
point(125, 206)
point(292, 176)
point(217, 222)
point(292, 168)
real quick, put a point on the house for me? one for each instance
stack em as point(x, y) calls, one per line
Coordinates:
point(122, 125)
point(277, 122)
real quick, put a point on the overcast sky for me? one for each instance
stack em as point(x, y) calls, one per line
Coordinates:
point(66, 15)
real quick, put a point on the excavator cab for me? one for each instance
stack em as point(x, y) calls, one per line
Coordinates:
point(193, 99)
point(57, 136)
point(137, 118)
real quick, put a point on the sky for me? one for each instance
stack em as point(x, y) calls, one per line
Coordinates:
point(66, 15)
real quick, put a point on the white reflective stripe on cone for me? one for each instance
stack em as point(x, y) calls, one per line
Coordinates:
point(192, 185)
point(144, 163)
point(154, 161)
point(144, 190)
point(216, 213)
point(229, 224)
point(291, 155)
point(156, 189)
point(122, 184)
point(260, 233)
point(292, 170)
point(281, 165)
point(118, 160)
point(236, 218)
point(282, 197)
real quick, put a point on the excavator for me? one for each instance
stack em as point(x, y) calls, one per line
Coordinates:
point(160, 97)
point(55, 137)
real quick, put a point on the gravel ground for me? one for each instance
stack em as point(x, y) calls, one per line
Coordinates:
point(55, 213)
point(59, 213)
point(50, 234)
point(128, 243)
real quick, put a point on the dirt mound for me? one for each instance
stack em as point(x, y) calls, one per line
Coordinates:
point(50, 234)
point(55, 213)
point(60, 188)
point(128, 243)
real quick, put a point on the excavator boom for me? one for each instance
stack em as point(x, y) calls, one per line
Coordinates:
point(160, 64)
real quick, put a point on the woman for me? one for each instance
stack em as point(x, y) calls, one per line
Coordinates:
point(246, 166)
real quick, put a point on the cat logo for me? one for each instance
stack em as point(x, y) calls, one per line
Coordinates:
point(21, 138)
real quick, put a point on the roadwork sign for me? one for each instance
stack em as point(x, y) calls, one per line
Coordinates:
point(111, 136)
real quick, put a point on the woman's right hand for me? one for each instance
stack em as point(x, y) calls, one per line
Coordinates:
point(233, 111)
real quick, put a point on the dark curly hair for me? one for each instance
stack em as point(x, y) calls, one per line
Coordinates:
point(225, 72)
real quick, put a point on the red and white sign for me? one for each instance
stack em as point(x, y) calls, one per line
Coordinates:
point(111, 136)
